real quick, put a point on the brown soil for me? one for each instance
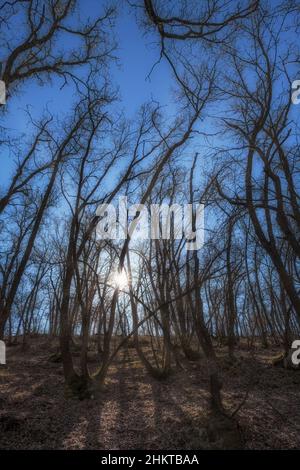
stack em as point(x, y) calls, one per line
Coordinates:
point(136, 411)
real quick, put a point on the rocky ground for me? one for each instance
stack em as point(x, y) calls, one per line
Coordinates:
point(136, 411)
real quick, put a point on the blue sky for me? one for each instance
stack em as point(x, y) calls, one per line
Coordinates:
point(136, 54)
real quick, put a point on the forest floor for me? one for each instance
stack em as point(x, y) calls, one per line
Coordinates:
point(136, 411)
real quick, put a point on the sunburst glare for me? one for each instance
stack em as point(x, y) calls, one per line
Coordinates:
point(120, 279)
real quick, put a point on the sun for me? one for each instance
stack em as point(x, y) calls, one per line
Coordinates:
point(120, 279)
